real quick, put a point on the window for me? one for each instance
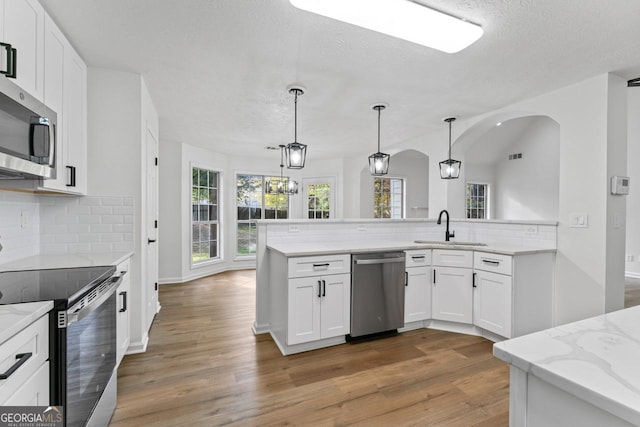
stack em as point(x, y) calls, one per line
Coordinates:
point(477, 205)
point(253, 204)
point(318, 201)
point(205, 241)
point(388, 198)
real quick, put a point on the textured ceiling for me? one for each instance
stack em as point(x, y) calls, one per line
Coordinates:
point(217, 70)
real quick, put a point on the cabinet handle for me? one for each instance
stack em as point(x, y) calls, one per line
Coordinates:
point(319, 288)
point(406, 278)
point(123, 294)
point(324, 288)
point(72, 176)
point(473, 280)
point(326, 264)
point(20, 359)
point(491, 262)
point(12, 60)
point(417, 257)
point(150, 241)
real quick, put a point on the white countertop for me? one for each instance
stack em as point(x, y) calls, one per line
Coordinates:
point(597, 360)
point(330, 248)
point(44, 262)
point(16, 317)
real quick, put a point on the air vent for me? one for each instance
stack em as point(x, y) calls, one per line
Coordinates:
point(515, 156)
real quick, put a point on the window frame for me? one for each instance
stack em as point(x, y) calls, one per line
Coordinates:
point(219, 222)
point(237, 221)
point(487, 199)
point(403, 195)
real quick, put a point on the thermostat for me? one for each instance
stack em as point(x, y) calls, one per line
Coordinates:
point(620, 185)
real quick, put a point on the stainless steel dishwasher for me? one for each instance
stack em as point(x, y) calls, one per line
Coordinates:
point(377, 293)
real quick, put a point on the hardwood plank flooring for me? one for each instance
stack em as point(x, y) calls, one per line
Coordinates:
point(204, 367)
point(631, 292)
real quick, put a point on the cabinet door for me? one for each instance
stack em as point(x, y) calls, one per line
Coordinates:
point(492, 305)
point(75, 122)
point(23, 28)
point(417, 294)
point(452, 294)
point(335, 313)
point(123, 318)
point(303, 310)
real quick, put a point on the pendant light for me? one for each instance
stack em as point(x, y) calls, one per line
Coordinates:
point(450, 169)
point(296, 152)
point(282, 185)
point(379, 162)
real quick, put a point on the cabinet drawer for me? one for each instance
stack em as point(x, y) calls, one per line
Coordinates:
point(123, 266)
point(494, 263)
point(33, 339)
point(452, 258)
point(319, 265)
point(418, 258)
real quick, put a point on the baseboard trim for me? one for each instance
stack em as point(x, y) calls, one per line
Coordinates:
point(138, 347)
point(200, 275)
point(631, 275)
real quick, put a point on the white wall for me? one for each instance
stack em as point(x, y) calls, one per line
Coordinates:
point(632, 268)
point(527, 188)
point(413, 167)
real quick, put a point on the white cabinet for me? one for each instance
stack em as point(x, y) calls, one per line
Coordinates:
point(23, 358)
point(22, 26)
point(65, 93)
point(513, 294)
point(452, 290)
point(318, 307)
point(417, 295)
point(123, 316)
point(492, 304)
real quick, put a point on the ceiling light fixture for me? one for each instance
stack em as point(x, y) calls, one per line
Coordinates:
point(281, 185)
point(403, 19)
point(296, 152)
point(450, 169)
point(379, 162)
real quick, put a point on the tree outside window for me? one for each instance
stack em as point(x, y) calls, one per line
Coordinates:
point(388, 198)
point(477, 201)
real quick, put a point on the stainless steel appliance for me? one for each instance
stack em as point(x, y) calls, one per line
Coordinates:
point(27, 135)
point(377, 293)
point(82, 329)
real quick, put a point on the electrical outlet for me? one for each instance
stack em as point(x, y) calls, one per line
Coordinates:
point(531, 230)
point(629, 258)
point(24, 219)
point(362, 227)
point(294, 228)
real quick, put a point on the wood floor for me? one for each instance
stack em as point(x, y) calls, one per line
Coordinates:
point(632, 292)
point(204, 367)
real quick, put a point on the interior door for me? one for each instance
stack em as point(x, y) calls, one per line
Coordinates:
point(153, 304)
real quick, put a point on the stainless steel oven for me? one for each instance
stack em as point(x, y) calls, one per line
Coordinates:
point(82, 349)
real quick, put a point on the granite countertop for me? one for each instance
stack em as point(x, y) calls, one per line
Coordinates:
point(597, 360)
point(331, 248)
point(16, 317)
point(44, 262)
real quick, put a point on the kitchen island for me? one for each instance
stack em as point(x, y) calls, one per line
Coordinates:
point(585, 373)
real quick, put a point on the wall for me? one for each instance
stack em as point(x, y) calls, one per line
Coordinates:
point(632, 267)
point(19, 225)
point(413, 167)
point(589, 148)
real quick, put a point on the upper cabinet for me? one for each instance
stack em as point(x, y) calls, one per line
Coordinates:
point(22, 26)
point(52, 71)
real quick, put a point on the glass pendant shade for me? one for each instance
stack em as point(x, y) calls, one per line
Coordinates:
point(296, 153)
point(281, 185)
point(450, 168)
point(292, 187)
point(379, 162)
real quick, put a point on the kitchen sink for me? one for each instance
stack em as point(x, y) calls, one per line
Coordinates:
point(449, 243)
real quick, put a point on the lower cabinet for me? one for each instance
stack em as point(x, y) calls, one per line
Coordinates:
point(123, 319)
point(417, 293)
point(452, 294)
point(318, 307)
point(34, 392)
point(492, 304)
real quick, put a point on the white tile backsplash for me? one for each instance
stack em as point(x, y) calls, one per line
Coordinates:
point(86, 224)
point(19, 225)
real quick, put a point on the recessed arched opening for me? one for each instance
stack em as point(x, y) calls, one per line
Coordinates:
point(411, 170)
point(513, 165)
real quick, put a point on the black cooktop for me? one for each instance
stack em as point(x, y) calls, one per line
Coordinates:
point(64, 284)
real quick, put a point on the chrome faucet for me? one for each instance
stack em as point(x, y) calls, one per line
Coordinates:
point(447, 235)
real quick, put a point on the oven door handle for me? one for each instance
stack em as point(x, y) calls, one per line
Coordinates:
point(82, 309)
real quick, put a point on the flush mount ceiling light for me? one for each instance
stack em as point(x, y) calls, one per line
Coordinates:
point(379, 162)
point(281, 185)
point(400, 18)
point(296, 152)
point(450, 169)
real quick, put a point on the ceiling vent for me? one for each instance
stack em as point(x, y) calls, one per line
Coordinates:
point(515, 156)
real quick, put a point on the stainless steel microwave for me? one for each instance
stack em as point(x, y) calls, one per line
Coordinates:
point(27, 135)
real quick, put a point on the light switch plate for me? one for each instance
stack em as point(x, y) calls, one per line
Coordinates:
point(579, 220)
